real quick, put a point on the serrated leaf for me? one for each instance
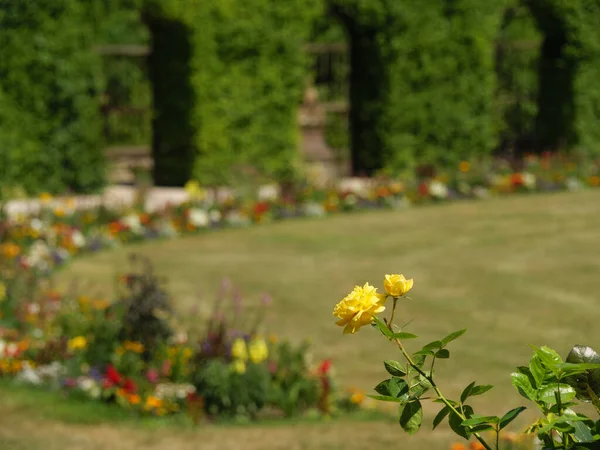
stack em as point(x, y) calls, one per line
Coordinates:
point(440, 416)
point(548, 394)
point(394, 368)
point(385, 398)
point(443, 353)
point(455, 422)
point(482, 389)
point(476, 419)
point(402, 335)
point(411, 416)
point(523, 385)
point(466, 392)
point(510, 416)
point(537, 369)
point(435, 345)
point(453, 336)
point(379, 324)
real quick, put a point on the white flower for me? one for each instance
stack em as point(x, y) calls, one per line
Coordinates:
point(573, 184)
point(199, 217)
point(95, 392)
point(36, 224)
point(314, 209)
point(215, 215)
point(481, 192)
point(437, 189)
point(29, 375)
point(11, 349)
point(235, 218)
point(86, 383)
point(33, 308)
point(528, 180)
point(132, 221)
point(268, 193)
point(78, 239)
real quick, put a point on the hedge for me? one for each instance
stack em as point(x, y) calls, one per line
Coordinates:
point(227, 77)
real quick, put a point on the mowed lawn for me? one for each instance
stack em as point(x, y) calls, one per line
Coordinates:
point(514, 271)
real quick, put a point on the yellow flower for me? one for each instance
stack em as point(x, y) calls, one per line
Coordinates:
point(397, 285)
point(45, 197)
point(153, 403)
point(194, 191)
point(464, 166)
point(2, 291)
point(238, 366)
point(358, 308)
point(77, 343)
point(258, 350)
point(135, 347)
point(357, 397)
point(239, 350)
point(134, 399)
point(100, 304)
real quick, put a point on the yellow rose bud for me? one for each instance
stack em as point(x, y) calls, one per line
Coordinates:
point(397, 285)
point(358, 308)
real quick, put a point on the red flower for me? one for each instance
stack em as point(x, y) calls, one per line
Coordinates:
point(423, 189)
point(113, 375)
point(516, 179)
point(107, 384)
point(261, 208)
point(130, 386)
point(324, 367)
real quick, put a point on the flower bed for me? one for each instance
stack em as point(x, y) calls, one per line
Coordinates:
point(136, 352)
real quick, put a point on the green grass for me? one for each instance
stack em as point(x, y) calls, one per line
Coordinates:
point(514, 271)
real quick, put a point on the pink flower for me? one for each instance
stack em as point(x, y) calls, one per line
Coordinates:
point(152, 375)
point(166, 368)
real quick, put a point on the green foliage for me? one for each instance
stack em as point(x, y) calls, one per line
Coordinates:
point(49, 79)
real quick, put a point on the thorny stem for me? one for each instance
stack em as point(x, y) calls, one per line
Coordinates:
point(430, 379)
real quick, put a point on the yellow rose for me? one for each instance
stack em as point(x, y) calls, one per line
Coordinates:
point(397, 285)
point(239, 350)
point(77, 343)
point(258, 351)
point(358, 308)
point(238, 366)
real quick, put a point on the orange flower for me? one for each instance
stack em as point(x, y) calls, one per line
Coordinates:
point(464, 166)
point(458, 446)
point(144, 218)
point(594, 180)
point(10, 250)
point(134, 399)
point(476, 445)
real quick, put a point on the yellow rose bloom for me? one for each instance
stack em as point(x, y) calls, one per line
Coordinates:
point(239, 350)
point(258, 351)
point(77, 343)
point(238, 366)
point(397, 285)
point(358, 308)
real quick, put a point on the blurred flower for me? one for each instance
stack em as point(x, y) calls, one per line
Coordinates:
point(464, 166)
point(396, 285)
point(152, 375)
point(258, 350)
point(358, 308)
point(77, 343)
point(238, 366)
point(357, 397)
point(458, 446)
point(199, 218)
point(152, 403)
point(324, 367)
point(135, 347)
point(594, 180)
point(239, 350)
point(134, 399)
point(437, 189)
point(194, 190)
point(476, 445)
point(45, 197)
point(2, 291)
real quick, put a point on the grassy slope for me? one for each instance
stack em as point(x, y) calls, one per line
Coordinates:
point(514, 271)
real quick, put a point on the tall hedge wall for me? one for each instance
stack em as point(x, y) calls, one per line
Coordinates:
point(49, 127)
point(227, 78)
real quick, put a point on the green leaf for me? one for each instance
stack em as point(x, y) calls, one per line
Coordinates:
point(538, 370)
point(386, 398)
point(394, 368)
point(455, 422)
point(378, 323)
point(411, 416)
point(548, 356)
point(419, 360)
point(476, 419)
point(588, 381)
point(440, 416)
point(393, 387)
point(442, 353)
point(453, 336)
point(510, 416)
point(423, 353)
point(403, 335)
point(547, 394)
point(466, 392)
point(478, 390)
point(582, 432)
point(435, 345)
point(523, 385)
